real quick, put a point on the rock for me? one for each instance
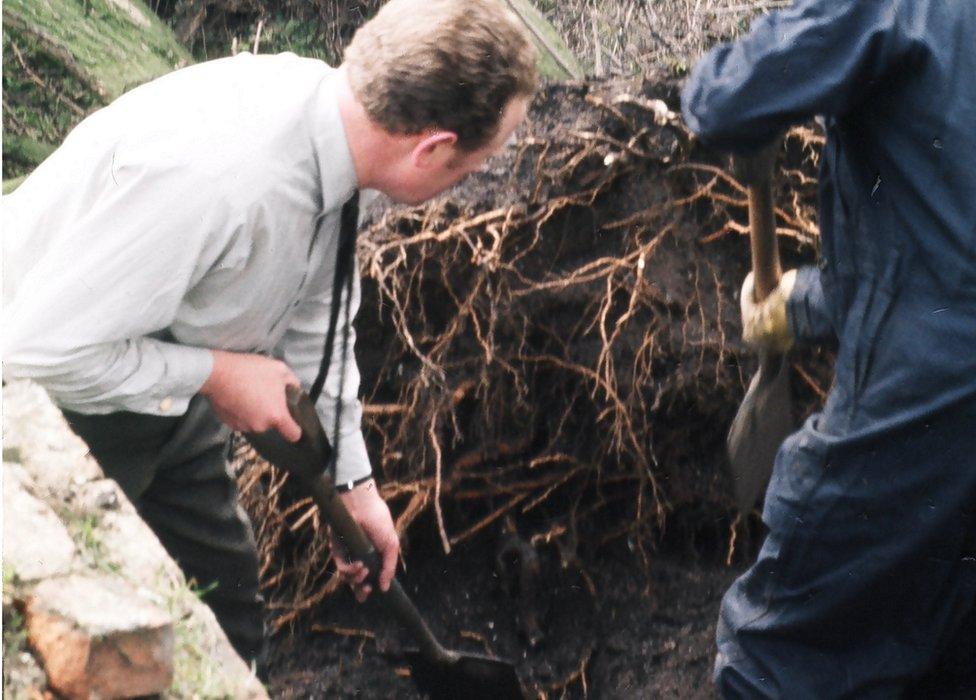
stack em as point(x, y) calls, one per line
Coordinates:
point(99, 638)
point(55, 458)
point(47, 461)
point(36, 543)
point(101, 494)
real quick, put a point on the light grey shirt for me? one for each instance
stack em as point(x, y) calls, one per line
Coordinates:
point(198, 211)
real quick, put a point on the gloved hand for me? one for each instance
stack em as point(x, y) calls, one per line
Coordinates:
point(757, 167)
point(764, 324)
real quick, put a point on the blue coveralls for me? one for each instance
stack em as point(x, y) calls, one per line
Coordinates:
point(869, 568)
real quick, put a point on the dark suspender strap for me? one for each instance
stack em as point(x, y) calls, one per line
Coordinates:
point(345, 260)
point(334, 461)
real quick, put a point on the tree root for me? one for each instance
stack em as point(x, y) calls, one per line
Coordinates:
point(557, 343)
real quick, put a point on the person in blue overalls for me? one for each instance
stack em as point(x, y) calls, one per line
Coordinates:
point(866, 583)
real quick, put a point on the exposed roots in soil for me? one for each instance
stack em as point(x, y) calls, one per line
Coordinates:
point(556, 344)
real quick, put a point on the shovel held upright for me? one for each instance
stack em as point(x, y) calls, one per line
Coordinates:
point(764, 417)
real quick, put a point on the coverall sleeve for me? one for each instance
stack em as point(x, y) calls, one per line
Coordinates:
point(816, 57)
point(302, 347)
point(81, 320)
point(807, 311)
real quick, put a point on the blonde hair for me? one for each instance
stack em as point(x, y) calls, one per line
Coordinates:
point(441, 64)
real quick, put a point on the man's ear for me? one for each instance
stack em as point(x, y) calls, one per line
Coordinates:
point(434, 150)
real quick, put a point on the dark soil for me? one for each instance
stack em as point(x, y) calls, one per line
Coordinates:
point(638, 637)
point(630, 576)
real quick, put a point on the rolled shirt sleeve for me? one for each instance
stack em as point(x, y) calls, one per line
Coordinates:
point(816, 57)
point(82, 321)
point(179, 218)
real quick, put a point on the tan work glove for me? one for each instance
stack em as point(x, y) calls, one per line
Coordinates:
point(764, 324)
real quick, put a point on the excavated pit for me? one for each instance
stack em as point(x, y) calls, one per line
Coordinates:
point(550, 358)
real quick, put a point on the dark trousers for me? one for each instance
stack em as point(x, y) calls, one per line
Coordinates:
point(866, 584)
point(176, 472)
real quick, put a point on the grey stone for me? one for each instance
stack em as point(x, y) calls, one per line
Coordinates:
point(36, 543)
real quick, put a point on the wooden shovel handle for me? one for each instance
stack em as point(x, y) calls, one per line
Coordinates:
point(348, 532)
point(756, 171)
point(766, 267)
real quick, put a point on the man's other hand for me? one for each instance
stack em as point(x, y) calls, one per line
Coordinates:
point(247, 392)
point(368, 508)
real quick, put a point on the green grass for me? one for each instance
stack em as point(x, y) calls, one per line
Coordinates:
point(8, 187)
point(11, 454)
point(14, 644)
point(65, 58)
point(111, 52)
point(195, 674)
point(14, 634)
point(84, 530)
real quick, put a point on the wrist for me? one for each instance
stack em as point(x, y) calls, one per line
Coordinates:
point(211, 384)
point(213, 378)
point(363, 483)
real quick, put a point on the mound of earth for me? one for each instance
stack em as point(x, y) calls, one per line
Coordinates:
point(550, 359)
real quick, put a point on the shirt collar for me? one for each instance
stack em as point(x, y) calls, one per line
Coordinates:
point(337, 173)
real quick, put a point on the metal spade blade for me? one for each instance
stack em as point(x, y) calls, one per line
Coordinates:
point(763, 421)
point(470, 677)
point(764, 418)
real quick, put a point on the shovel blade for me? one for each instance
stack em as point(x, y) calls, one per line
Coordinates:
point(763, 421)
point(469, 677)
